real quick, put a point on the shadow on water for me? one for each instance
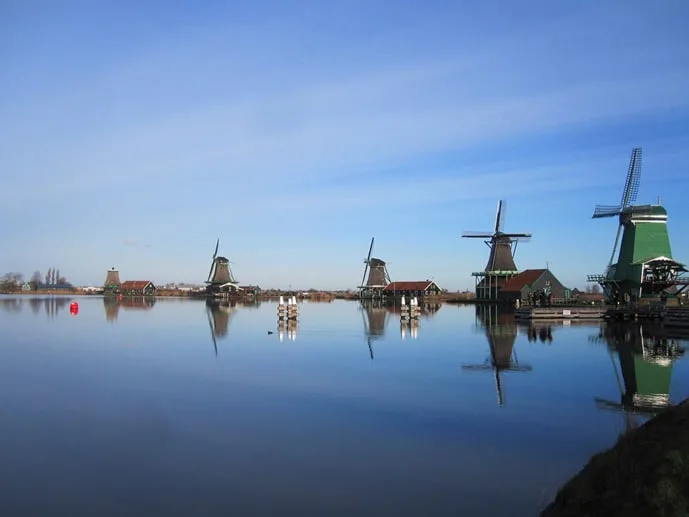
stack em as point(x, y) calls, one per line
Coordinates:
point(642, 357)
point(501, 332)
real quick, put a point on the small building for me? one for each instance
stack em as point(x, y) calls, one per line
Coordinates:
point(418, 288)
point(252, 290)
point(137, 288)
point(529, 281)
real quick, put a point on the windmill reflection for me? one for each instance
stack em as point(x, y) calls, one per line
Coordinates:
point(501, 332)
point(219, 314)
point(375, 314)
point(646, 359)
point(113, 304)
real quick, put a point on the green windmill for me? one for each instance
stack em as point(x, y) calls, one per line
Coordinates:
point(644, 268)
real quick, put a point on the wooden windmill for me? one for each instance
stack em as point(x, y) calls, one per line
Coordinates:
point(500, 266)
point(644, 267)
point(220, 277)
point(501, 332)
point(378, 277)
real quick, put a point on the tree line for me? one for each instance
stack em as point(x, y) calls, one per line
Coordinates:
point(11, 282)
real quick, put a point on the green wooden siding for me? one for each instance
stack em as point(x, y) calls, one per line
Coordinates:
point(641, 242)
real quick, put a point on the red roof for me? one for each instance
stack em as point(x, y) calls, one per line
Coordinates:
point(421, 285)
point(523, 279)
point(134, 285)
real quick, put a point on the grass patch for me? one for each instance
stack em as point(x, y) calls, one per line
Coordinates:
point(645, 473)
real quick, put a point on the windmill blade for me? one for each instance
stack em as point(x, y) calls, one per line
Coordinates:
point(477, 235)
point(499, 216)
point(517, 235)
point(368, 259)
point(363, 279)
point(210, 272)
point(614, 248)
point(215, 253)
point(631, 185)
point(606, 211)
point(521, 238)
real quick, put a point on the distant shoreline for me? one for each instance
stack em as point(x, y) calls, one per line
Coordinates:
point(453, 298)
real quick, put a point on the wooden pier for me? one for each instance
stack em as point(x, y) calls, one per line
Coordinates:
point(411, 311)
point(289, 310)
point(559, 313)
point(670, 316)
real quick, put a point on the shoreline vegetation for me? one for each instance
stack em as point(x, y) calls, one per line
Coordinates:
point(311, 294)
point(645, 473)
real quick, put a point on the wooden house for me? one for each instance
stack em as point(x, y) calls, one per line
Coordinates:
point(419, 289)
point(531, 281)
point(137, 288)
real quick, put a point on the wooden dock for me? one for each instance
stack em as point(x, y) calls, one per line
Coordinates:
point(559, 313)
point(675, 317)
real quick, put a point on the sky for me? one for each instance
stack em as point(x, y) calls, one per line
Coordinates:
point(135, 134)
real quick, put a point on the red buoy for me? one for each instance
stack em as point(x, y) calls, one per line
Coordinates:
point(74, 308)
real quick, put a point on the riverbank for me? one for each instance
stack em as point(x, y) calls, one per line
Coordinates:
point(645, 473)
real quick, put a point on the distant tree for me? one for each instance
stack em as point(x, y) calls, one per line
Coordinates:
point(11, 282)
point(593, 289)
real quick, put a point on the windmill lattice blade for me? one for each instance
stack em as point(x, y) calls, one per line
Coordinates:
point(606, 211)
point(498, 217)
point(631, 185)
point(370, 249)
point(500, 223)
point(210, 272)
point(215, 253)
point(517, 235)
point(472, 234)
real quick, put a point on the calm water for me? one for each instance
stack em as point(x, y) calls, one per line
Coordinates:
point(179, 409)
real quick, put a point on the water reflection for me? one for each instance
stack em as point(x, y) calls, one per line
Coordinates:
point(51, 305)
point(374, 314)
point(219, 315)
point(112, 305)
point(501, 332)
point(11, 304)
point(427, 310)
point(287, 328)
point(645, 359)
point(411, 325)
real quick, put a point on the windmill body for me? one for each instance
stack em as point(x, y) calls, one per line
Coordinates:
point(378, 278)
point(500, 266)
point(220, 278)
point(644, 269)
point(112, 280)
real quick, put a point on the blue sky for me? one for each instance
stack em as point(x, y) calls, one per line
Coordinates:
point(133, 134)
